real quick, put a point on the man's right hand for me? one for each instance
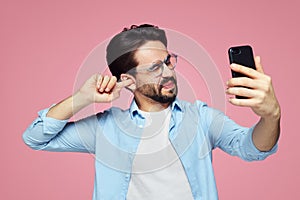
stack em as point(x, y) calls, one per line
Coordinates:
point(102, 89)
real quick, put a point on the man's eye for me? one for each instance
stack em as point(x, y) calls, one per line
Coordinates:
point(168, 62)
point(154, 67)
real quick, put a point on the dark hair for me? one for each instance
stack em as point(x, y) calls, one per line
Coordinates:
point(122, 47)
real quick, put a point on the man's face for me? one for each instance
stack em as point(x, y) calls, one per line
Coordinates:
point(160, 84)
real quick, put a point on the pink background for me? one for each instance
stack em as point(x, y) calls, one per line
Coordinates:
point(44, 43)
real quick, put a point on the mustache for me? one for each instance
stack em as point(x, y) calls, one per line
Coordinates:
point(165, 80)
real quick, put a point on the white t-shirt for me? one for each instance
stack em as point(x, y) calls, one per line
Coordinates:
point(157, 172)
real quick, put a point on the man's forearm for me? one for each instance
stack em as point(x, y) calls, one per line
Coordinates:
point(266, 133)
point(97, 89)
point(68, 107)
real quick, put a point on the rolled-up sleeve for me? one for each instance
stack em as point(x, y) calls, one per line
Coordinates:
point(252, 153)
point(232, 138)
point(50, 134)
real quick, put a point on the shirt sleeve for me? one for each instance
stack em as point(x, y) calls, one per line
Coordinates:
point(232, 138)
point(50, 134)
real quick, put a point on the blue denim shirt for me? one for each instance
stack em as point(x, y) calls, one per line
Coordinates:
point(113, 137)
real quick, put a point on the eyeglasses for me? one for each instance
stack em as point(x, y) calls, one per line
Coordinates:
point(157, 67)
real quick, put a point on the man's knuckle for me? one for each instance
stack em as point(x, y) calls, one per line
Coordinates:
point(268, 79)
point(261, 99)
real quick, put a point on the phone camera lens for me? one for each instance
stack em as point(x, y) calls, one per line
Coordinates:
point(235, 51)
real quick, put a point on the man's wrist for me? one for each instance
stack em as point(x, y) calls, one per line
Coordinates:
point(274, 116)
point(79, 101)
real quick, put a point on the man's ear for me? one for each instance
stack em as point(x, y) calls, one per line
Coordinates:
point(132, 86)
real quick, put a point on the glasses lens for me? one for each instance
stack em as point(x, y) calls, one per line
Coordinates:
point(156, 67)
point(171, 61)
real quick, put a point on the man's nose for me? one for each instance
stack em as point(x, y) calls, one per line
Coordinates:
point(166, 71)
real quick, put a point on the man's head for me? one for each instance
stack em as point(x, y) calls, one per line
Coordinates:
point(140, 53)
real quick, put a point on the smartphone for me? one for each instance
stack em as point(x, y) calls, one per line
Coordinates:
point(242, 55)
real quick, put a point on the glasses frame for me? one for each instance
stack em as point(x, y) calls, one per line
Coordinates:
point(156, 66)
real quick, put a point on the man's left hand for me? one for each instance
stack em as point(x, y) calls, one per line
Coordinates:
point(258, 89)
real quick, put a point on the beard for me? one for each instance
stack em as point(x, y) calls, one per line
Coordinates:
point(155, 92)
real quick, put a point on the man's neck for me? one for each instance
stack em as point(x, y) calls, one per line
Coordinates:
point(149, 105)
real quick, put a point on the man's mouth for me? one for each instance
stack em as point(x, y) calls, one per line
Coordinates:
point(168, 85)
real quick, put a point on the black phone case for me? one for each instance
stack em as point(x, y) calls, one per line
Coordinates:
point(242, 55)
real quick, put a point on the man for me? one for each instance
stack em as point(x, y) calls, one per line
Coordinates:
point(160, 148)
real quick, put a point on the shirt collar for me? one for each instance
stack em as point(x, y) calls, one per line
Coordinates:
point(176, 105)
point(133, 109)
